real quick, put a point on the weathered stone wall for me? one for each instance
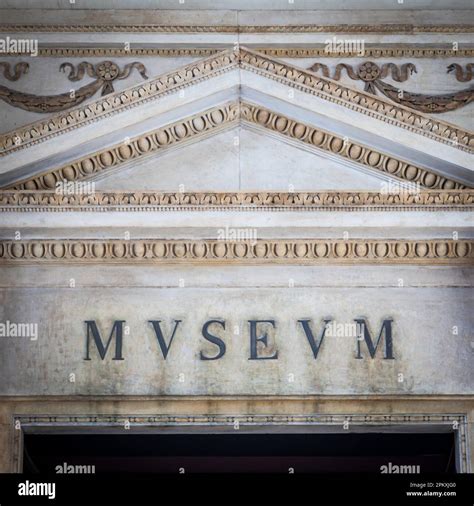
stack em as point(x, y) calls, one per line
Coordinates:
point(432, 344)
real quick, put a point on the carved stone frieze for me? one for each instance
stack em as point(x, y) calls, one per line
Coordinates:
point(288, 75)
point(214, 120)
point(358, 28)
point(48, 103)
point(105, 73)
point(429, 200)
point(372, 74)
point(286, 251)
point(392, 51)
point(370, 51)
point(347, 28)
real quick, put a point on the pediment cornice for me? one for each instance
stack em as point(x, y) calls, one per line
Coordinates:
point(224, 116)
point(289, 75)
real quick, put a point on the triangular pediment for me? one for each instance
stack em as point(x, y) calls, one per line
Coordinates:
point(239, 159)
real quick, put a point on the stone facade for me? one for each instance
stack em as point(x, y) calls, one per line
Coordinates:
point(189, 198)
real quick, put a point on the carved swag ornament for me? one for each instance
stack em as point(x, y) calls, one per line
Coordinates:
point(372, 74)
point(105, 72)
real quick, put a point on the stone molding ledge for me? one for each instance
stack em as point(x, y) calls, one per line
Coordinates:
point(136, 201)
point(284, 251)
point(370, 51)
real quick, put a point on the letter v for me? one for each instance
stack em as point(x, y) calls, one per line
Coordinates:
point(159, 335)
point(315, 346)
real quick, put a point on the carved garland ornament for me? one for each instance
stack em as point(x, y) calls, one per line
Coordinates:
point(226, 116)
point(287, 251)
point(372, 74)
point(227, 60)
point(105, 73)
point(431, 200)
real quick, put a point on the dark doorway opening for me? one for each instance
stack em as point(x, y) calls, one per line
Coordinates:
point(239, 452)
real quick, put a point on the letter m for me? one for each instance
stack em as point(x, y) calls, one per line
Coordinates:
point(365, 334)
point(117, 329)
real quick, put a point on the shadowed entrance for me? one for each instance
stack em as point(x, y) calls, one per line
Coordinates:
point(240, 452)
